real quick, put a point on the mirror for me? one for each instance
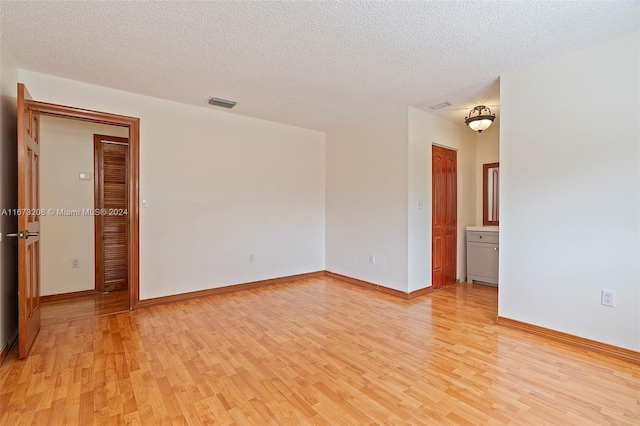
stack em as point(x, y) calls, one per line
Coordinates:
point(490, 194)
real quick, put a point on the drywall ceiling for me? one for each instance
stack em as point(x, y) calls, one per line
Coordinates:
point(313, 64)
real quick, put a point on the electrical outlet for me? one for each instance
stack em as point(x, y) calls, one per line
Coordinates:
point(75, 263)
point(251, 257)
point(420, 205)
point(372, 259)
point(608, 298)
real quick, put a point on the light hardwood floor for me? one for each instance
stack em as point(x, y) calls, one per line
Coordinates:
point(81, 307)
point(317, 351)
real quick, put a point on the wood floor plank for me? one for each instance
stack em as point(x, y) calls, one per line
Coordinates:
point(316, 351)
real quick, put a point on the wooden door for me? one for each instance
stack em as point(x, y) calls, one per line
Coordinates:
point(444, 216)
point(111, 158)
point(28, 223)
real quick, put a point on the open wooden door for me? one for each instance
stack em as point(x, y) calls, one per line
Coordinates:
point(444, 216)
point(28, 223)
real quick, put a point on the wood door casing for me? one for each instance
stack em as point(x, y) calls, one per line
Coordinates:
point(111, 226)
point(444, 216)
point(28, 223)
point(133, 125)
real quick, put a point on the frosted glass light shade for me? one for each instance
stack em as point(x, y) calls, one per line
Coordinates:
point(480, 125)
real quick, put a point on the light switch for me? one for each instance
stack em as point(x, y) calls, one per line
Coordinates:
point(85, 176)
point(144, 203)
point(420, 204)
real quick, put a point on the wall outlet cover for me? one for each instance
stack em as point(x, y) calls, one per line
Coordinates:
point(608, 298)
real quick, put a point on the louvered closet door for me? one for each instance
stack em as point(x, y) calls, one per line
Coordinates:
point(111, 194)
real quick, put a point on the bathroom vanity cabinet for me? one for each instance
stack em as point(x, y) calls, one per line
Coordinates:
point(482, 255)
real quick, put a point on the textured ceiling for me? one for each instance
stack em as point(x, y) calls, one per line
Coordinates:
point(313, 64)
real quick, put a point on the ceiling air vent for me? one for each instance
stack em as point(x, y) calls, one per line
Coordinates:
point(221, 102)
point(440, 106)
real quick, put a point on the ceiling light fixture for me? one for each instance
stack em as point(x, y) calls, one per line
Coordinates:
point(481, 120)
point(221, 102)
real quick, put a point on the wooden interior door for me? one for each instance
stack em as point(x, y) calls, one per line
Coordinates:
point(111, 158)
point(444, 216)
point(28, 223)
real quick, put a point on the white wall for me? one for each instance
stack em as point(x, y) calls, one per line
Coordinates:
point(66, 149)
point(219, 186)
point(425, 130)
point(367, 180)
point(570, 219)
point(487, 151)
point(377, 171)
point(8, 196)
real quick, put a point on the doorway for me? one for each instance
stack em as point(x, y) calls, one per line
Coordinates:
point(444, 216)
point(72, 192)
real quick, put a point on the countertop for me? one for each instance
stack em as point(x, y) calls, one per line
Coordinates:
point(484, 228)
